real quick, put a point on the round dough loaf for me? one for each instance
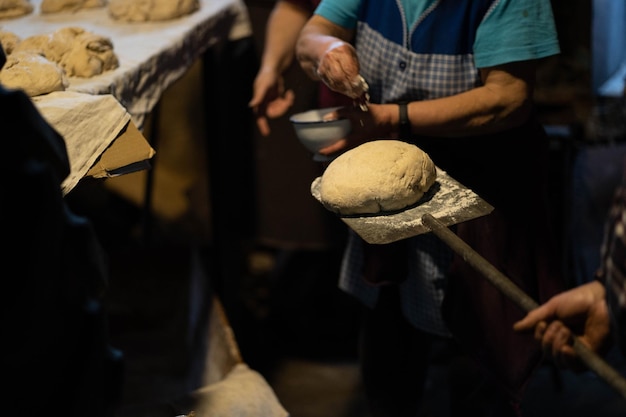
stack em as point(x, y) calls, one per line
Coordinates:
point(32, 73)
point(9, 41)
point(15, 8)
point(57, 6)
point(377, 176)
point(79, 52)
point(151, 10)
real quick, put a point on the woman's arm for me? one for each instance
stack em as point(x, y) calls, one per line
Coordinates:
point(282, 29)
point(325, 53)
point(269, 98)
point(504, 101)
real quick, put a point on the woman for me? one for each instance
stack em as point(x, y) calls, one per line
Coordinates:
point(456, 79)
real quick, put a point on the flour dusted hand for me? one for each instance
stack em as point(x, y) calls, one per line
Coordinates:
point(375, 177)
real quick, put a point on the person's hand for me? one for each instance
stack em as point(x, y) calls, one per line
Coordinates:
point(269, 99)
point(339, 69)
point(367, 125)
point(582, 312)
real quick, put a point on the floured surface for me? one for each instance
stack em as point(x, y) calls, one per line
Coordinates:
point(448, 201)
point(152, 55)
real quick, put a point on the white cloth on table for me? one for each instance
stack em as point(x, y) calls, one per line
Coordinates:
point(152, 55)
point(88, 124)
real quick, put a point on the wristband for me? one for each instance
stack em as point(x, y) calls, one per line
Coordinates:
point(404, 125)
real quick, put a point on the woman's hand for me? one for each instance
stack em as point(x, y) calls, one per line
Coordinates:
point(582, 312)
point(270, 100)
point(371, 124)
point(339, 69)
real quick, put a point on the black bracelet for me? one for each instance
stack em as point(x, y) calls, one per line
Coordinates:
point(404, 126)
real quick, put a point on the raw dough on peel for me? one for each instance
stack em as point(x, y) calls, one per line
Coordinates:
point(14, 8)
point(151, 10)
point(32, 73)
point(56, 6)
point(79, 52)
point(378, 176)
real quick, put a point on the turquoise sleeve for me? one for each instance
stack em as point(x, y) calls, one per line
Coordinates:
point(516, 30)
point(342, 13)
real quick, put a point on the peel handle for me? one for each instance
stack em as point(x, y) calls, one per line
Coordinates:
point(526, 303)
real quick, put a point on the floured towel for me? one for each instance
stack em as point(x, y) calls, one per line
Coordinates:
point(88, 123)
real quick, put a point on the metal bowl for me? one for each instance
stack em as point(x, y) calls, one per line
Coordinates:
point(316, 133)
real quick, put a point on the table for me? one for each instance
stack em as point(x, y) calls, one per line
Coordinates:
point(154, 55)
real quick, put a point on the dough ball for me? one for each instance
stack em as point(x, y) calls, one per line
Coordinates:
point(9, 41)
point(56, 6)
point(378, 176)
point(32, 73)
point(151, 10)
point(14, 8)
point(90, 54)
point(47, 45)
point(79, 52)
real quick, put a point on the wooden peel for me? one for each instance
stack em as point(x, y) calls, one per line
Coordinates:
point(453, 203)
point(519, 297)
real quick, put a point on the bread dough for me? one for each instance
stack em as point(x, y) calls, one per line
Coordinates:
point(9, 41)
point(55, 6)
point(14, 8)
point(79, 52)
point(32, 73)
point(151, 10)
point(377, 176)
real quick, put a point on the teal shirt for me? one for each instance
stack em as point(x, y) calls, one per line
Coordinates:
point(513, 30)
point(412, 50)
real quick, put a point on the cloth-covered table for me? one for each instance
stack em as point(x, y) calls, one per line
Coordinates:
point(152, 55)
